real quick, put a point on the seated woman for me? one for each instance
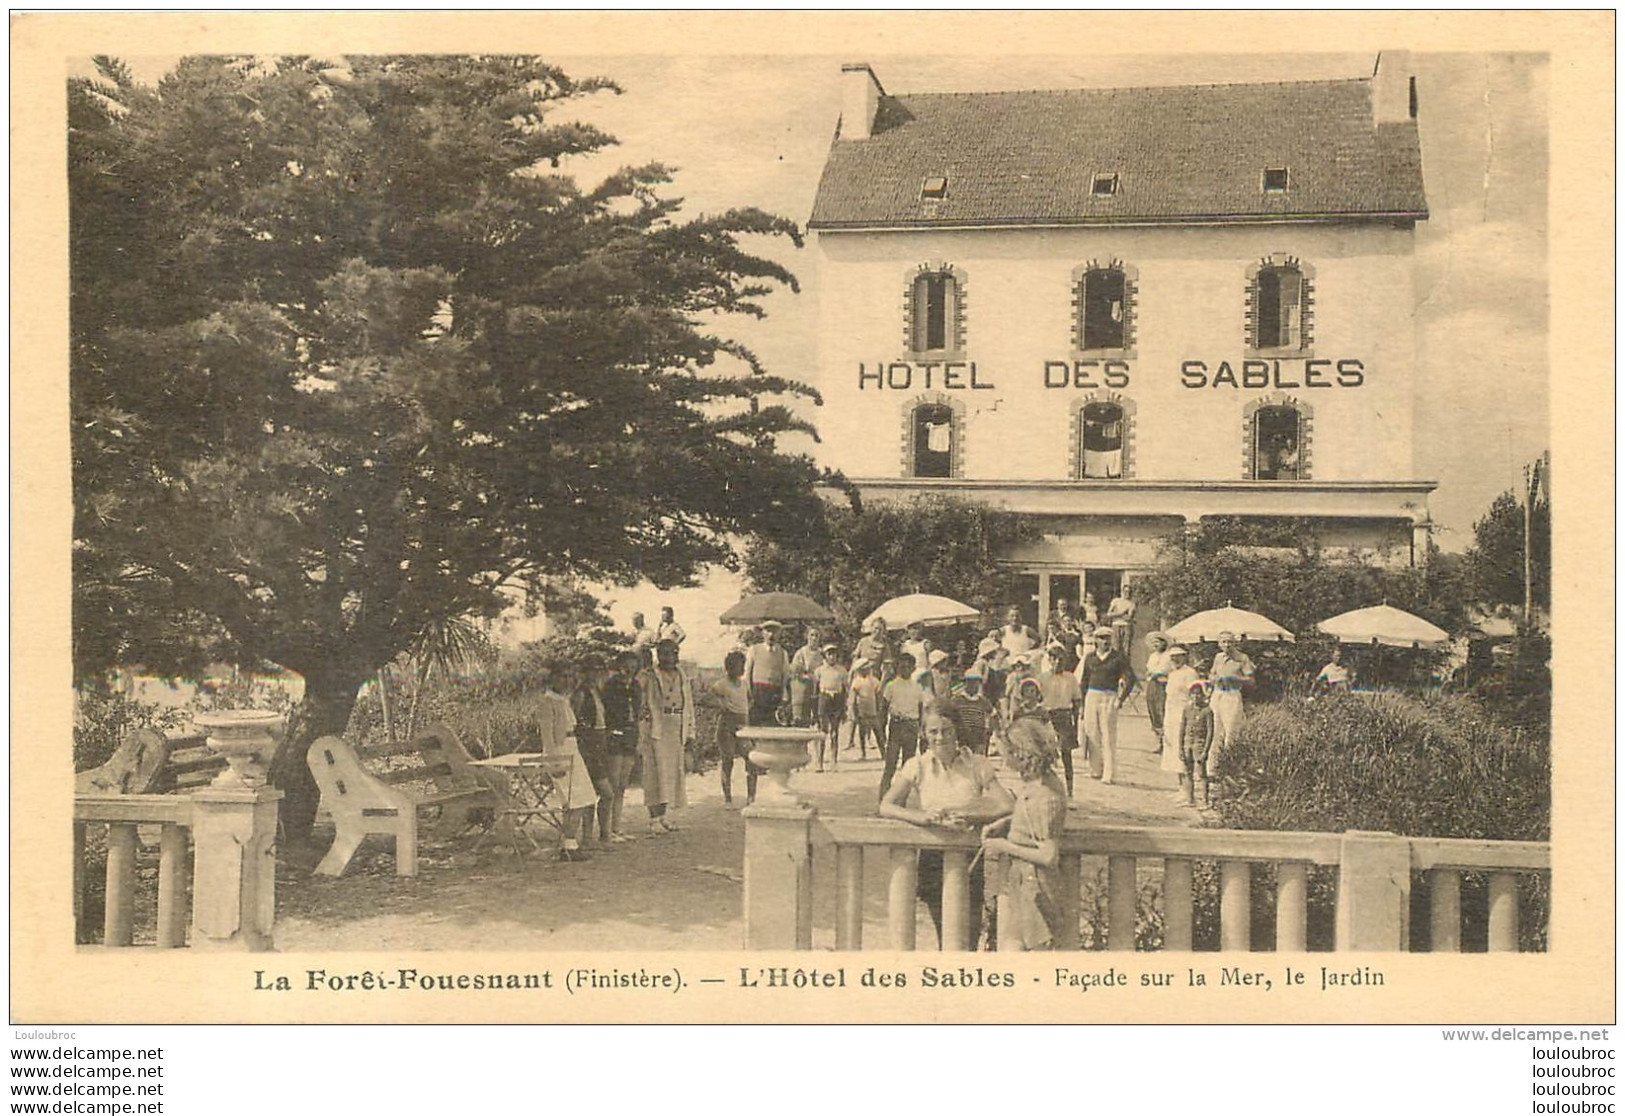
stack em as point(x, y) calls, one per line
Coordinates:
point(951, 788)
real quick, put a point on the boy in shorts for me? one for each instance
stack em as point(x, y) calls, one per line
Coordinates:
point(731, 698)
point(829, 682)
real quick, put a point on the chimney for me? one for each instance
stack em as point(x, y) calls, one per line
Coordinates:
point(860, 98)
point(1393, 88)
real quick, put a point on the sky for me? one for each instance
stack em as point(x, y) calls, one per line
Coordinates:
point(744, 130)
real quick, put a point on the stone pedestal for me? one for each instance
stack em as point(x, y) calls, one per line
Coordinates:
point(778, 875)
point(1374, 892)
point(234, 867)
point(778, 751)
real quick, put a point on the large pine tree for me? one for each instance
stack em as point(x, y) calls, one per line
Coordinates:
point(350, 355)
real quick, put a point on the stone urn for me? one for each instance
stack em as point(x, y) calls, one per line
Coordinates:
point(778, 751)
point(245, 738)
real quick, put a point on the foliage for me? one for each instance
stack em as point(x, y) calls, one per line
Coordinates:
point(1283, 570)
point(857, 558)
point(1495, 560)
point(349, 356)
point(1436, 768)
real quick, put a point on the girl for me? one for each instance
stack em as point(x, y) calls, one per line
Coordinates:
point(1029, 907)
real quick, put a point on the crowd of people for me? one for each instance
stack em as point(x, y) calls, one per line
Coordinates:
point(933, 716)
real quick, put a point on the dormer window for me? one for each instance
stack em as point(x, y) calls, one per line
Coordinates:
point(934, 189)
point(1104, 185)
point(1275, 179)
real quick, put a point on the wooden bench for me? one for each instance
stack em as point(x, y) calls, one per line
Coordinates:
point(153, 761)
point(362, 802)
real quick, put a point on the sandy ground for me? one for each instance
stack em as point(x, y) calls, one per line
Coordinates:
point(680, 891)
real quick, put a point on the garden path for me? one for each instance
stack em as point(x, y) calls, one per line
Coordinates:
point(675, 892)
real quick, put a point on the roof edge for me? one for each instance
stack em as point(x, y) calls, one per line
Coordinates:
point(1360, 217)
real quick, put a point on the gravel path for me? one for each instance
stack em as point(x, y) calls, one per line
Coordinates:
point(675, 892)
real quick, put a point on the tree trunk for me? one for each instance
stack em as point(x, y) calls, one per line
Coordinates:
point(325, 711)
point(384, 705)
point(417, 693)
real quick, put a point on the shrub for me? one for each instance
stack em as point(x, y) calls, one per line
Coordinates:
point(1434, 768)
point(101, 720)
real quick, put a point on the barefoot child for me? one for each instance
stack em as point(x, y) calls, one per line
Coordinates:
point(865, 707)
point(830, 682)
point(1195, 741)
point(731, 698)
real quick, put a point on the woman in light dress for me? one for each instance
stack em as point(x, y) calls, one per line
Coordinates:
point(557, 722)
point(668, 725)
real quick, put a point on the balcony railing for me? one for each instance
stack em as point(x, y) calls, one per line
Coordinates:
point(121, 816)
point(1373, 889)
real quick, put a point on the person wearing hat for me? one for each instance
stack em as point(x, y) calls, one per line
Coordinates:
point(876, 646)
point(830, 682)
point(1232, 672)
point(1156, 681)
point(1180, 676)
point(1195, 745)
point(938, 679)
point(767, 672)
point(1106, 679)
point(864, 708)
point(1062, 697)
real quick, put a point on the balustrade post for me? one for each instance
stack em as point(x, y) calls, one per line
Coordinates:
point(1503, 912)
point(1120, 903)
point(171, 867)
point(848, 896)
point(78, 881)
point(118, 923)
point(956, 915)
point(1176, 904)
point(1235, 906)
point(901, 896)
point(1071, 901)
point(234, 867)
point(1444, 910)
point(1291, 907)
point(1374, 892)
point(778, 875)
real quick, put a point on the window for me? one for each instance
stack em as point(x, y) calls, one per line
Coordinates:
point(1277, 443)
point(1105, 309)
point(1281, 300)
point(934, 188)
point(1104, 185)
point(934, 313)
point(932, 436)
point(1100, 441)
point(1275, 179)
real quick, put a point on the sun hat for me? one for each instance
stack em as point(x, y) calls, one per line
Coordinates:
point(1159, 634)
point(937, 657)
point(862, 664)
point(1176, 649)
point(830, 647)
point(770, 624)
point(1103, 631)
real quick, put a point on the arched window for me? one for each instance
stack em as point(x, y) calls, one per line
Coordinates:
point(935, 311)
point(1101, 434)
point(1103, 307)
point(1280, 294)
point(1278, 443)
point(1102, 437)
point(934, 437)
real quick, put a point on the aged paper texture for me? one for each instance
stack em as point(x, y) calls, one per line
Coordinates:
point(1543, 380)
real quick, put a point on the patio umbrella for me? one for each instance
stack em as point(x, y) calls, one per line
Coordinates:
point(1384, 624)
point(784, 607)
point(921, 608)
point(1206, 626)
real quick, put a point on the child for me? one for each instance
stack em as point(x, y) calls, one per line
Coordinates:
point(974, 717)
point(905, 701)
point(830, 682)
point(1195, 740)
point(620, 698)
point(731, 698)
point(864, 707)
point(592, 739)
point(1062, 697)
point(1029, 907)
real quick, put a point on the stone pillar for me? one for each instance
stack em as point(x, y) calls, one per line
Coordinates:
point(1420, 534)
point(234, 867)
point(1044, 602)
point(1374, 892)
point(778, 875)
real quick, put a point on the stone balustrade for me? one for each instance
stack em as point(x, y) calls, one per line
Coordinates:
point(1374, 879)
